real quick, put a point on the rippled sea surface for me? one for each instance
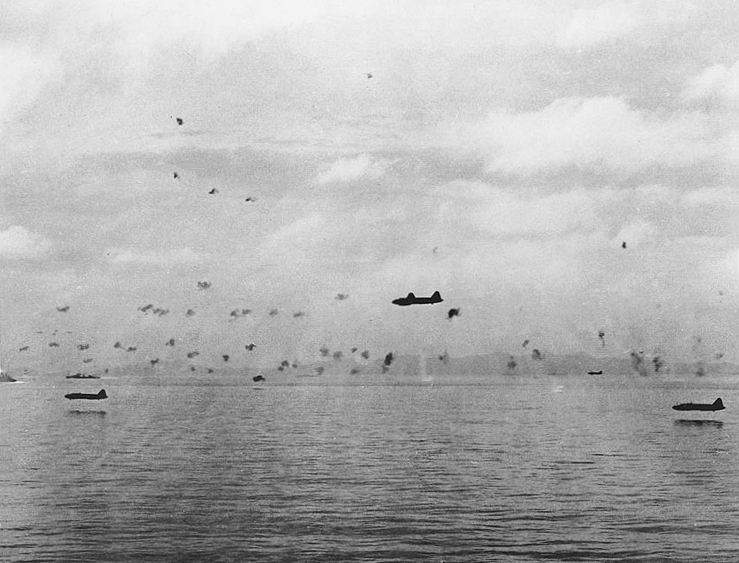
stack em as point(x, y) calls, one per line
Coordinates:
point(188, 468)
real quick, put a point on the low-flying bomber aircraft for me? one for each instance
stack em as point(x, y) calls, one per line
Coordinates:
point(717, 405)
point(411, 299)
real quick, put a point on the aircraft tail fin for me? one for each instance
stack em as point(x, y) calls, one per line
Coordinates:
point(718, 404)
point(102, 394)
point(436, 295)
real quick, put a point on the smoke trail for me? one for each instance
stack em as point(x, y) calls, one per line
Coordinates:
point(700, 354)
point(658, 363)
point(387, 362)
point(637, 362)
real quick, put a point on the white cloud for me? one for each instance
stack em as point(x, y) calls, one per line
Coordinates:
point(502, 212)
point(717, 81)
point(211, 28)
point(591, 26)
point(175, 256)
point(23, 74)
point(348, 169)
point(18, 242)
point(710, 196)
point(636, 234)
point(594, 133)
point(729, 147)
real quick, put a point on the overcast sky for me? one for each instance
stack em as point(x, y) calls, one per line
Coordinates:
point(499, 152)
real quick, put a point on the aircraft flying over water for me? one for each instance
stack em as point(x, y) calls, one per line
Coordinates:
point(411, 299)
point(717, 405)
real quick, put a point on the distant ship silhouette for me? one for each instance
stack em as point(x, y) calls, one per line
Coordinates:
point(717, 405)
point(411, 299)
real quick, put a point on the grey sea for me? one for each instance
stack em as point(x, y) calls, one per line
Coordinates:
point(190, 468)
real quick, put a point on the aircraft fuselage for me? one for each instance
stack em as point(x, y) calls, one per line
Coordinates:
point(411, 299)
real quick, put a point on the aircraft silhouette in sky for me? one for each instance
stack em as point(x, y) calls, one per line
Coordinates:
point(411, 299)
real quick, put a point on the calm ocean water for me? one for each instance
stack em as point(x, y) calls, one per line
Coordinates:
point(187, 468)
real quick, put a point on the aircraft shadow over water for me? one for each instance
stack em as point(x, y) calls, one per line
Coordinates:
point(708, 423)
point(87, 413)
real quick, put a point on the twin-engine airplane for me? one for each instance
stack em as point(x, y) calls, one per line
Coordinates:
point(411, 299)
point(717, 405)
